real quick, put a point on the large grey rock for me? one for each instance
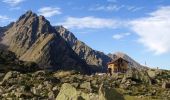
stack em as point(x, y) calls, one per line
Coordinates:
point(68, 92)
point(165, 85)
point(11, 74)
point(39, 73)
point(138, 75)
point(51, 95)
point(10, 77)
point(151, 73)
point(102, 93)
point(86, 85)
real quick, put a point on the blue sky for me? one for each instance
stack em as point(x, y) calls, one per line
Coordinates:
point(140, 28)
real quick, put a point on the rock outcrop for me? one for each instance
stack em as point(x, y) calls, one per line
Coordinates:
point(32, 38)
point(68, 92)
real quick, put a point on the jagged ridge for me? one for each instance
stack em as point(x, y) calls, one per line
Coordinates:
point(98, 60)
point(32, 38)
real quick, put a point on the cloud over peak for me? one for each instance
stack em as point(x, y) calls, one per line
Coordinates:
point(89, 22)
point(49, 11)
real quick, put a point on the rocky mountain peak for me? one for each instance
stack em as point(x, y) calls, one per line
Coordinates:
point(33, 38)
point(27, 15)
point(27, 29)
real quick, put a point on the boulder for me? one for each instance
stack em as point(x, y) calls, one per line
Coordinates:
point(138, 75)
point(151, 73)
point(51, 95)
point(68, 92)
point(165, 85)
point(11, 74)
point(10, 77)
point(101, 93)
point(86, 85)
point(39, 73)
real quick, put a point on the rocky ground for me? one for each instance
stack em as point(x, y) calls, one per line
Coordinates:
point(69, 85)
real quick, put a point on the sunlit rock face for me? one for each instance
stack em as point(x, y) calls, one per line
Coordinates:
point(32, 38)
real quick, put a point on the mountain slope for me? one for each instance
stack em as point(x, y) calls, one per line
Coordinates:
point(5, 28)
point(32, 38)
point(92, 57)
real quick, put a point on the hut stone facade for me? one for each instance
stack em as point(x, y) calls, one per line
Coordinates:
point(118, 65)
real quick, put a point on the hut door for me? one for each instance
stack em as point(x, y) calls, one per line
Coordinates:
point(110, 71)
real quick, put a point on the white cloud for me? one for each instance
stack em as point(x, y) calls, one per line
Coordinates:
point(89, 22)
point(133, 8)
point(110, 7)
point(120, 36)
point(4, 20)
point(114, 7)
point(13, 2)
point(49, 11)
point(154, 31)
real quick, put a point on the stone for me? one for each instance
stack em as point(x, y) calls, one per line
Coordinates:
point(138, 75)
point(165, 85)
point(75, 84)
point(51, 95)
point(55, 88)
point(123, 86)
point(23, 94)
point(124, 79)
point(39, 73)
point(35, 91)
point(1, 90)
point(102, 93)
point(40, 86)
point(10, 74)
point(48, 85)
point(86, 85)
point(151, 73)
point(94, 82)
point(68, 92)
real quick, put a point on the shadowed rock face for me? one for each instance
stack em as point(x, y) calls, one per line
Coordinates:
point(32, 38)
point(1, 32)
point(92, 57)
